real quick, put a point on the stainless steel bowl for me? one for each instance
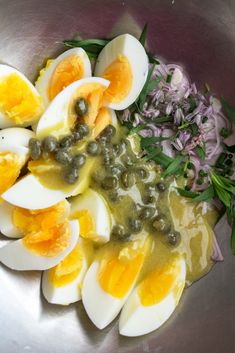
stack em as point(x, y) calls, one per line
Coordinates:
point(200, 34)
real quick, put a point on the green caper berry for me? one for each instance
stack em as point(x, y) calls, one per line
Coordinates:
point(63, 157)
point(71, 175)
point(160, 224)
point(83, 129)
point(173, 238)
point(190, 165)
point(135, 225)
point(35, 148)
point(66, 141)
point(147, 199)
point(49, 144)
point(146, 213)
point(118, 231)
point(78, 160)
point(81, 107)
point(127, 179)
point(116, 169)
point(142, 173)
point(93, 148)
point(117, 149)
point(110, 130)
point(127, 160)
point(161, 186)
point(76, 136)
point(109, 182)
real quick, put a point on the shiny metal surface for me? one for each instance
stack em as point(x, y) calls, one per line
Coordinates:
point(201, 35)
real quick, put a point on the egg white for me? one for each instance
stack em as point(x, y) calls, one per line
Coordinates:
point(43, 82)
point(16, 136)
point(96, 205)
point(17, 257)
point(132, 49)
point(5, 71)
point(7, 226)
point(137, 319)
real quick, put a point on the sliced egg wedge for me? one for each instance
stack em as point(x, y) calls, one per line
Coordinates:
point(123, 62)
point(12, 159)
point(20, 103)
point(62, 283)
point(60, 116)
point(16, 136)
point(7, 226)
point(48, 238)
point(93, 214)
point(154, 299)
point(111, 278)
point(59, 73)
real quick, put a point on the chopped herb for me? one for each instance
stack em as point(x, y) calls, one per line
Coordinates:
point(143, 35)
point(163, 119)
point(169, 78)
point(220, 160)
point(202, 173)
point(187, 193)
point(201, 152)
point(148, 86)
point(204, 119)
point(173, 167)
point(192, 103)
point(206, 195)
point(229, 110)
point(148, 141)
point(194, 129)
point(153, 60)
point(224, 132)
point(199, 181)
point(190, 165)
point(137, 129)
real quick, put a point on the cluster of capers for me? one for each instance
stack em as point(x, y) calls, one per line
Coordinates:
point(60, 151)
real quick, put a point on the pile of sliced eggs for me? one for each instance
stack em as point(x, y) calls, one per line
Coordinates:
point(66, 232)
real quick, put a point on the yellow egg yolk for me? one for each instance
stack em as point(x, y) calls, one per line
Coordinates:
point(119, 269)
point(157, 285)
point(68, 269)
point(119, 73)
point(47, 231)
point(10, 167)
point(18, 101)
point(66, 72)
point(86, 223)
point(103, 119)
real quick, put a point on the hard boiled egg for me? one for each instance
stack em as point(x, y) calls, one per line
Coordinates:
point(61, 116)
point(7, 226)
point(16, 136)
point(48, 238)
point(93, 214)
point(62, 283)
point(68, 67)
point(20, 103)
point(110, 279)
point(154, 299)
point(106, 116)
point(12, 159)
point(123, 62)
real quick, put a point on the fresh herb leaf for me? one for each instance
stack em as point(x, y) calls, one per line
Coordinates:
point(194, 129)
point(187, 193)
point(205, 195)
point(233, 238)
point(143, 35)
point(146, 90)
point(163, 119)
point(229, 110)
point(155, 154)
point(173, 167)
point(148, 141)
point(192, 104)
point(200, 152)
point(169, 78)
point(92, 46)
point(137, 129)
point(224, 132)
point(152, 59)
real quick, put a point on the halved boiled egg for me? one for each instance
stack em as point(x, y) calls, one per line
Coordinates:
point(67, 68)
point(123, 62)
point(16, 136)
point(61, 116)
point(12, 159)
point(93, 214)
point(20, 103)
point(7, 226)
point(62, 283)
point(154, 299)
point(110, 279)
point(106, 116)
point(48, 238)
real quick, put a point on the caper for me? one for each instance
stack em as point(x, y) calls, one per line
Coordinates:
point(135, 225)
point(128, 179)
point(113, 196)
point(107, 160)
point(76, 136)
point(71, 175)
point(49, 144)
point(78, 160)
point(118, 231)
point(117, 149)
point(35, 148)
point(83, 129)
point(66, 141)
point(147, 199)
point(81, 107)
point(127, 160)
point(161, 186)
point(142, 173)
point(173, 237)
point(149, 187)
point(116, 169)
point(146, 213)
point(109, 182)
point(93, 148)
point(110, 130)
point(63, 157)
point(160, 224)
